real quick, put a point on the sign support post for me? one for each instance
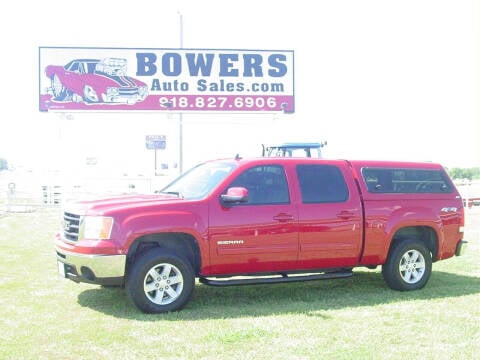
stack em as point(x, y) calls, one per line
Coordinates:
point(180, 116)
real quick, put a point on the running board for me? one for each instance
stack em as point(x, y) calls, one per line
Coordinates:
point(273, 280)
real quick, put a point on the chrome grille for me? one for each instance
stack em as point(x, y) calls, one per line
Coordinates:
point(71, 225)
point(128, 91)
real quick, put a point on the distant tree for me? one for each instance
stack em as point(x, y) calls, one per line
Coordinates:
point(3, 164)
point(468, 173)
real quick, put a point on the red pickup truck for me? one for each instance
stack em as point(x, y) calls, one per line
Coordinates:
point(267, 220)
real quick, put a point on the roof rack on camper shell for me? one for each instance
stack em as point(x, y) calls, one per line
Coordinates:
point(294, 149)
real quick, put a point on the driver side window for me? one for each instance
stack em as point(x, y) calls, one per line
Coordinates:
point(266, 184)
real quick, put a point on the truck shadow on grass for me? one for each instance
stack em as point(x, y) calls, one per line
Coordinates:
point(363, 289)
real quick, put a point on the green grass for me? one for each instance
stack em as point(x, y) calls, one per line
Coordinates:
point(46, 317)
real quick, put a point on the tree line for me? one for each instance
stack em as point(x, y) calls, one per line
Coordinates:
point(464, 173)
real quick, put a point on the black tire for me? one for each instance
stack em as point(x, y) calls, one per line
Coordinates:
point(160, 281)
point(409, 265)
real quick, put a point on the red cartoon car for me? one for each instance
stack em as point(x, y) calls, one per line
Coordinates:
point(95, 81)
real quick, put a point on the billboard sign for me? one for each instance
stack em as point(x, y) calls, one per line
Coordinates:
point(117, 79)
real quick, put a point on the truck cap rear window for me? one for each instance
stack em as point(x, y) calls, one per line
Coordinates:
point(397, 180)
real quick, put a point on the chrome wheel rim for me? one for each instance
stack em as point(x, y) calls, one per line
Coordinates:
point(412, 266)
point(163, 284)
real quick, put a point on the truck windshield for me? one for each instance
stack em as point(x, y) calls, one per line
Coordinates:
point(199, 181)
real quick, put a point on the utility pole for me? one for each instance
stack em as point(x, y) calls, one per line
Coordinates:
point(180, 115)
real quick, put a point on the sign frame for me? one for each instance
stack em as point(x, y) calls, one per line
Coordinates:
point(165, 79)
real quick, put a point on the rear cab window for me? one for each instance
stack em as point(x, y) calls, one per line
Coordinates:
point(406, 180)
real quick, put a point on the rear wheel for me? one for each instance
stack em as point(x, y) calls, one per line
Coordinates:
point(90, 95)
point(160, 281)
point(408, 266)
point(60, 93)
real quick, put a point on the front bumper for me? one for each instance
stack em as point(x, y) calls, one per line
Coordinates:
point(93, 269)
point(123, 98)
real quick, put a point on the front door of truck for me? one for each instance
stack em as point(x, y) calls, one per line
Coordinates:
point(258, 235)
point(330, 217)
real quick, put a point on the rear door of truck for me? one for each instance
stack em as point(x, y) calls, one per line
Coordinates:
point(330, 215)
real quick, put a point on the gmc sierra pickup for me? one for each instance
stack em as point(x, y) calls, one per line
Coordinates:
point(266, 220)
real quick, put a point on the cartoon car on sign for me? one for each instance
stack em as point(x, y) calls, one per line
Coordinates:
point(95, 81)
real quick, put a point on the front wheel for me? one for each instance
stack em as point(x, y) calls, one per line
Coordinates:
point(90, 95)
point(160, 281)
point(408, 266)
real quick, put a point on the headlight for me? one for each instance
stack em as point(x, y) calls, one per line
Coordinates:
point(96, 227)
point(142, 91)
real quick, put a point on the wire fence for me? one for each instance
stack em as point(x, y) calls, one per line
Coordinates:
point(28, 196)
